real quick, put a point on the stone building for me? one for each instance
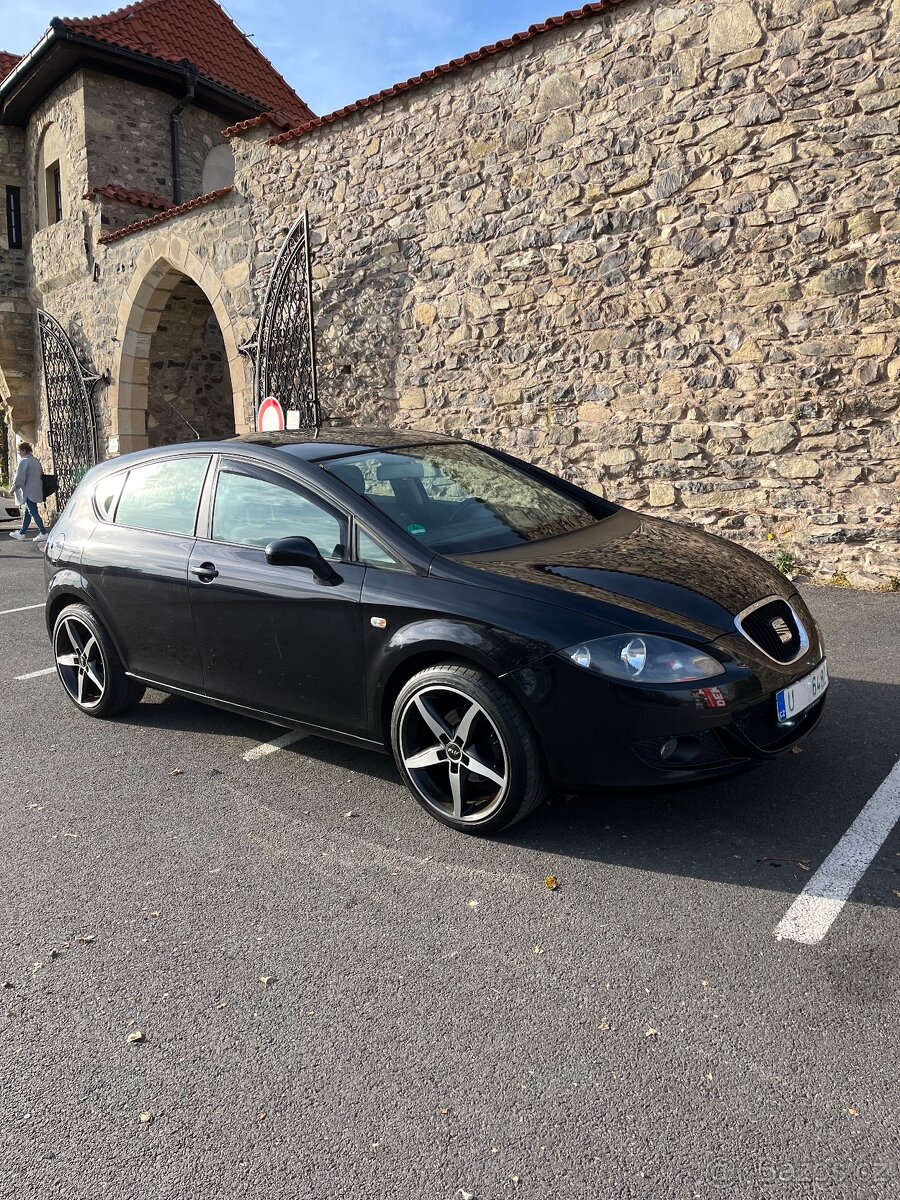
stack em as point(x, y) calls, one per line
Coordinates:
point(654, 247)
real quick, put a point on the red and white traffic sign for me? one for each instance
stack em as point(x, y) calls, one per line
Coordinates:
point(270, 417)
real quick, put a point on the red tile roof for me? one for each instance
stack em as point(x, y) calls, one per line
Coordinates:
point(135, 196)
point(164, 216)
point(250, 123)
point(456, 64)
point(7, 62)
point(200, 32)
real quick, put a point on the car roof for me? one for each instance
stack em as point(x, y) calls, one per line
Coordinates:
point(336, 441)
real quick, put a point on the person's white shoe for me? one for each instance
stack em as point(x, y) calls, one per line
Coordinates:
point(41, 537)
point(18, 535)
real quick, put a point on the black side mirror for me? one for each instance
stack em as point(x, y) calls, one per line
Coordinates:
point(301, 552)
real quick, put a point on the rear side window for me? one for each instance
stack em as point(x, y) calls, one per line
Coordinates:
point(163, 496)
point(106, 493)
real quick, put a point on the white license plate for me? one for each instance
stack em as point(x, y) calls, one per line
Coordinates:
point(797, 698)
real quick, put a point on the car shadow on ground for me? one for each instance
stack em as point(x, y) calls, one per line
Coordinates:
point(770, 827)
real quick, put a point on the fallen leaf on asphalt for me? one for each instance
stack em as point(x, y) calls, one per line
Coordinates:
point(552, 883)
point(472, 903)
point(704, 983)
point(515, 1179)
point(709, 1076)
point(145, 1118)
point(802, 864)
point(36, 966)
point(445, 1112)
point(539, 949)
point(261, 1116)
point(85, 939)
point(177, 771)
point(797, 749)
point(351, 813)
point(135, 1036)
point(462, 1194)
point(267, 980)
point(604, 1028)
point(222, 1004)
point(651, 1033)
point(852, 1112)
point(153, 915)
point(896, 893)
point(70, 835)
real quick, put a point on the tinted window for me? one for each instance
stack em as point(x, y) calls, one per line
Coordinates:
point(253, 512)
point(461, 499)
point(163, 496)
point(373, 552)
point(106, 493)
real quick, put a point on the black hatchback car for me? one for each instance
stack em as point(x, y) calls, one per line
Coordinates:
point(500, 629)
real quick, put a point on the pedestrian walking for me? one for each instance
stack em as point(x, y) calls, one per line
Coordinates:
point(28, 488)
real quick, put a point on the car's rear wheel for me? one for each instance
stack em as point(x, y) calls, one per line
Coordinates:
point(465, 749)
point(88, 665)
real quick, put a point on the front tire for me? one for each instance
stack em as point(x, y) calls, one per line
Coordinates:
point(466, 750)
point(89, 666)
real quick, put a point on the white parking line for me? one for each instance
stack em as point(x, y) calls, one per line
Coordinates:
point(286, 739)
point(6, 611)
point(814, 911)
point(34, 674)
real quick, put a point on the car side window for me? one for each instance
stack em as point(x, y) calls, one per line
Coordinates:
point(163, 496)
point(251, 511)
point(106, 493)
point(373, 552)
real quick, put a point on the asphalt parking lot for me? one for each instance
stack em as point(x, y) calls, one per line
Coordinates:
point(338, 997)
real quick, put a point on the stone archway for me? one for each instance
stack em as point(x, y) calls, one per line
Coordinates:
point(169, 275)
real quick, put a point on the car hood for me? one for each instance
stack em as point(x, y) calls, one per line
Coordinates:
point(671, 575)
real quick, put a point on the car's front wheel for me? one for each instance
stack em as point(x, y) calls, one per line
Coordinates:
point(88, 665)
point(465, 749)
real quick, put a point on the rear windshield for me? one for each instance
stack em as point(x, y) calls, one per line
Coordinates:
point(459, 499)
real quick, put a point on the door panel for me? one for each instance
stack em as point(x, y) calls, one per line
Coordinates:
point(141, 581)
point(273, 637)
point(137, 563)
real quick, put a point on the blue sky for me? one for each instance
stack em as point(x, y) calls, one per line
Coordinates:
point(334, 53)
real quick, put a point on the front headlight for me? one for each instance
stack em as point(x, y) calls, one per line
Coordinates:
point(644, 658)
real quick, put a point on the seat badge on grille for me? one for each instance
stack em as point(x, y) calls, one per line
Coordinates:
point(781, 628)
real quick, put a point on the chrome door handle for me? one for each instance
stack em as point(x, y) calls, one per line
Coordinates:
point(206, 572)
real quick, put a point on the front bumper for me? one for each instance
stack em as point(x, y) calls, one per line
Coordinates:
point(596, 733)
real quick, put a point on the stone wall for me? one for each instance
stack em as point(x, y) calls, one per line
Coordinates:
point(656, 250)
point(189, 393)
point(16, 336)
point(128, 136)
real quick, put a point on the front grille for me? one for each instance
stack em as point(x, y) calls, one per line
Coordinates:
point(773, 627)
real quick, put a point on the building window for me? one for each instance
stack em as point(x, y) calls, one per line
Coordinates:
point(14, 217)
point(54, 194)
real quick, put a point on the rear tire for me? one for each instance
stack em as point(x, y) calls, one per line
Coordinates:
point(466, 750)
point(89, 666)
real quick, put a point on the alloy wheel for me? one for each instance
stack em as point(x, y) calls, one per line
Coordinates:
point(79, 662)
point(453, 753)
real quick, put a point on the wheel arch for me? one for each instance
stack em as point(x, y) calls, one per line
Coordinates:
point(73, 591)
point(403, 671)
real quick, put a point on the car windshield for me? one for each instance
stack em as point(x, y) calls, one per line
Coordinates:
point(460, 499)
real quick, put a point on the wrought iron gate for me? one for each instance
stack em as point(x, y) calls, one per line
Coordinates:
point(72, 426)
point(285, 344)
